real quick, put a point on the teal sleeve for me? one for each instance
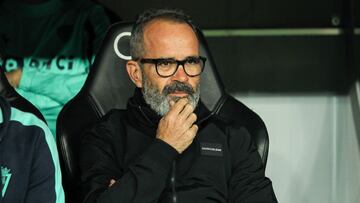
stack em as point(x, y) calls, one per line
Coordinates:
point(45, 177)
point(50, 140)
point(42, 184)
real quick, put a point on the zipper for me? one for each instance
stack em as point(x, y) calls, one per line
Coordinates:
point(173, 182)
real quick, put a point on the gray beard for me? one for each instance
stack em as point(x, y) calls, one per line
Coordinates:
point(160, 101)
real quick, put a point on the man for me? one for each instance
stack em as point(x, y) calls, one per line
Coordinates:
point(30, 170)
point(48, 47)
point(166, 146)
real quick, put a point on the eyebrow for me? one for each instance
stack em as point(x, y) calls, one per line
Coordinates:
point(167, 58)
point(172, 58)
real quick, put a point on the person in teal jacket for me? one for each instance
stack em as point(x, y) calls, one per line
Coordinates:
point(29, 164)
point(48, 47)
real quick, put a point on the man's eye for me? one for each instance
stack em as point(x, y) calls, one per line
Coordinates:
point(193, 60)
point(164, 63)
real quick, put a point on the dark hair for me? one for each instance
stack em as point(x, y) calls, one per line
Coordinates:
point(137, 38)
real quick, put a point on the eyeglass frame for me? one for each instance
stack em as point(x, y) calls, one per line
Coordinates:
point(155, 61)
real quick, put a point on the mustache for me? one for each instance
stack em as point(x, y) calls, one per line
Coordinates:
point(178, 86)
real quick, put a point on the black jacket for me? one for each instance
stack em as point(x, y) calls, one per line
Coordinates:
point(221, 165)
point(29, 164)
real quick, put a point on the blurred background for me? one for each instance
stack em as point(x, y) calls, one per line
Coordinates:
point(296, 63)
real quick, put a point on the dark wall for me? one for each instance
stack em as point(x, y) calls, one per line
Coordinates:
point(356, 12)
point(357, 54)
point(241, 13)
point(311, 63)
point(282, 64)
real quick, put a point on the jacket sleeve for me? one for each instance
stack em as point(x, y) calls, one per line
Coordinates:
point(45, 179)
point(248, 182)
point(140, 181)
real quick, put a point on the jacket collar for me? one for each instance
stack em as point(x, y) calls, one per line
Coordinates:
point(5, 116)
point(140, 113)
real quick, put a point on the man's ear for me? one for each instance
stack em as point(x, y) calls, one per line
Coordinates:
point(134, 72)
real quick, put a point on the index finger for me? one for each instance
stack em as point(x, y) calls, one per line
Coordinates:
point(178, 106)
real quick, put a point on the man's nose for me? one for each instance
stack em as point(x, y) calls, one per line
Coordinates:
point(180, 74)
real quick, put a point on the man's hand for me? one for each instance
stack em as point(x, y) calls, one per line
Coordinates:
point(177, 127)
point(14, 77)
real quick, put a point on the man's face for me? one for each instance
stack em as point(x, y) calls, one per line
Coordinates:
point(166, 39)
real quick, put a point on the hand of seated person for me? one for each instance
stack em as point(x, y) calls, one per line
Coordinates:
point(177, 127)
point(14, 77)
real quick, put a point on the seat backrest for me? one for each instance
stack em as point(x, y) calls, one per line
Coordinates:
point(108, 87)
point(16, 100)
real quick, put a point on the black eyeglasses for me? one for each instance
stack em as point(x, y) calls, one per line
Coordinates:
point(166, 67)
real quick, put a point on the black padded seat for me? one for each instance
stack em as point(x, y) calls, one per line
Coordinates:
point(108, 87)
